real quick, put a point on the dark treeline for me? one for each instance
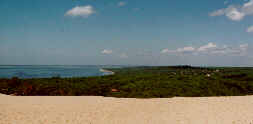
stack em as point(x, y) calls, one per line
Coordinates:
point(141, 82)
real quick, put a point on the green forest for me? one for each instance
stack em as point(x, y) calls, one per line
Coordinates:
point(141, 82)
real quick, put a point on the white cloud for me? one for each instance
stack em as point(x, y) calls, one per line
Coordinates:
point(122, 3)
point(82, 11)
point(106, 51)
point(219, 12)
point(250, 3)
point(187, 49)
point(210, 49)
point(250, 29)
point(165, 51)
point(207, 47)
point(235, 13)
point(123, 56)
point(244, 47)
point(248, 8)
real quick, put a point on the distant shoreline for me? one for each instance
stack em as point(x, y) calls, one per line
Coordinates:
point(139, 82)
point(106, 71)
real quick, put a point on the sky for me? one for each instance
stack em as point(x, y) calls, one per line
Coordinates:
point(126, 32)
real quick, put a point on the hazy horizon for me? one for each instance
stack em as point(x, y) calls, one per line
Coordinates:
point(127, 32)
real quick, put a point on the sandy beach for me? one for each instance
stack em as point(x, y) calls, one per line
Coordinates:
point(100, 110)
point(107, 72)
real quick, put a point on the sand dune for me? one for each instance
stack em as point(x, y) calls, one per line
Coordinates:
point(100, 110)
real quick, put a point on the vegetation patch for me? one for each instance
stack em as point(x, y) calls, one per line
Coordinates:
point(141, 82)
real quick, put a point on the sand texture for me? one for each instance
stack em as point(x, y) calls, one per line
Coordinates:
point(100, 110)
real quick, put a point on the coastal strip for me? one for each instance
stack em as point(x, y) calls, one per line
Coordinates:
point(106, 72)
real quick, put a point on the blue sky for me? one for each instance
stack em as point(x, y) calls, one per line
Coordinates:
point(136, 32)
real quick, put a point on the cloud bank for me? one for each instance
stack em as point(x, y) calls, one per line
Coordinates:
point(209, 49)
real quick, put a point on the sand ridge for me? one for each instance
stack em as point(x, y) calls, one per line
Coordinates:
point(101, 110)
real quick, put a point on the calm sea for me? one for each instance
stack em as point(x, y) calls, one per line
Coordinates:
point(47, 71)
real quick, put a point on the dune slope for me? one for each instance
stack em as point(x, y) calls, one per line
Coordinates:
point(100, 110)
